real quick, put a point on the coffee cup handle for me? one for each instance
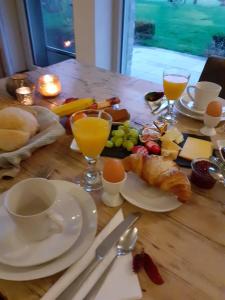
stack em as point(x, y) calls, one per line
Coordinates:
point(58, 221)
point(189, 93)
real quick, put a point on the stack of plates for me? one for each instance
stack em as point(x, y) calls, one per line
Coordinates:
point(186, 107)
point(24, 260)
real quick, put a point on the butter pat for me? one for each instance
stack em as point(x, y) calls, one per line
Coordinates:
point(196, 148)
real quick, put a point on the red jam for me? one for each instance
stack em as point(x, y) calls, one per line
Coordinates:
point(200, 174)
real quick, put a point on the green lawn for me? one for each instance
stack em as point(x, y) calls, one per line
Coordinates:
point(186, 28)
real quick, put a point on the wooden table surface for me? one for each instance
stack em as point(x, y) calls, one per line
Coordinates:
point(188, 244)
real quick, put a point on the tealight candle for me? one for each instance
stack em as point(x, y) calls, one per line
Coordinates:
point(49, 85)
point(24, 95)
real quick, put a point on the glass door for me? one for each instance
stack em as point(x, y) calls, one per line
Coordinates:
point(172, 33)
point(51, 30)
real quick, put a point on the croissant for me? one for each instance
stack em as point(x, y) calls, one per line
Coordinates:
point(160, 172)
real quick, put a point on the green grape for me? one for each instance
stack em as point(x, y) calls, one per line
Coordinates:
point(113, 139)
point(109, 144)
point(125, 143)
point(133, 132)
point(119, 133)
point(134, 140)
point(129, 145)
point(126, 124)
point(121, 127)
point(118, 142)
point(113, 132)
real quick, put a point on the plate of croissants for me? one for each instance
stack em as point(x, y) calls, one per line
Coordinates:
point(23, 130)
point(155, 183)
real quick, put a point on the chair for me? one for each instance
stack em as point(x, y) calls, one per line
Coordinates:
point(214, 71)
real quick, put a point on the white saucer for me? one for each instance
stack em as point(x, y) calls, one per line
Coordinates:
point(189, 104)
point(78, 249)
point(188, 113)
point(17, 252)
point(139, 193)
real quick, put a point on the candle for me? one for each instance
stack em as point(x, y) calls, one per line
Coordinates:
point(49, 85)
point(24, 95)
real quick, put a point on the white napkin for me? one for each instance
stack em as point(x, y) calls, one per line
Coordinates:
point(120, 284)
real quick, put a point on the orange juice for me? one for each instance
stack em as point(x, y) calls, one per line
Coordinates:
point(174, 85)
point(91, 134)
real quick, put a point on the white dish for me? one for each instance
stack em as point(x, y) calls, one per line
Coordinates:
point(50, 130)
point(17, 252)
point(139, 193)
point(186, 112)
point(78, 249)
point(189, 104)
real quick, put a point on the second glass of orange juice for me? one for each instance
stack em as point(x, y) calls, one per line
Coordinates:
point(91, 130)
point(174, 84)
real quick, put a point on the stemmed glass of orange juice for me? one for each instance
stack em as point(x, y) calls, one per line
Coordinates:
point(91, 130)
point(174, 84)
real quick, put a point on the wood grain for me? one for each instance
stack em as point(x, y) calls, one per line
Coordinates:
point(187, 244)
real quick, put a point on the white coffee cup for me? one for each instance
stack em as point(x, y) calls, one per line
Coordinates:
point(204, 92)
point(31, 203)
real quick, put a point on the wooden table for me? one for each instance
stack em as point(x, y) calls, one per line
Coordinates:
point(187, 244)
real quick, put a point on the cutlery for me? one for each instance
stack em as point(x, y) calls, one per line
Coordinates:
point(161, 108)
point(104, 248)
point(45, 172)
point(125, 245)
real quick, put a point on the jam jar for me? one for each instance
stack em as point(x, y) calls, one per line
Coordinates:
point(200, 175)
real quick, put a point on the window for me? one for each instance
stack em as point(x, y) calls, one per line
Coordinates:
point(51, 30)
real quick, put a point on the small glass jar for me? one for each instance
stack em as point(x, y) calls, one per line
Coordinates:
point(24, 95)
point(49, 85)
point(200, 175)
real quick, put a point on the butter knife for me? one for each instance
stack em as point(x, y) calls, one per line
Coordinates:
point(102, 250)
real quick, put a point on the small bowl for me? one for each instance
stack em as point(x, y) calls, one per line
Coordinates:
point(154, 97)
point(200, 175)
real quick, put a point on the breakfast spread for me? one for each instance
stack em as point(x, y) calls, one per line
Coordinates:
point(160, 172)
point(17, 126)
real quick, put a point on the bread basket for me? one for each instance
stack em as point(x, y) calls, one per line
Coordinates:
point(50, 130)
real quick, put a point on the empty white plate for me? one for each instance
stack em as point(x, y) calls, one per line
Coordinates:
point(17, 252)
point(78, 249)
point(139, 193)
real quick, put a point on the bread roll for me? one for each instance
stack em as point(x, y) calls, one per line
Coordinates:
point(18, 119)
point(11, 140)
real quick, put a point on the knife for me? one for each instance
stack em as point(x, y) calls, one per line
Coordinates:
point(101, 251)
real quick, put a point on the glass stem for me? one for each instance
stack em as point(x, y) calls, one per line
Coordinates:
point(92, 174)
point(170, 107)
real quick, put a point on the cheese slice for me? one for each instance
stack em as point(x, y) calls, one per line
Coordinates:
point(196, 148)
point(173, 134)
point(169, 149)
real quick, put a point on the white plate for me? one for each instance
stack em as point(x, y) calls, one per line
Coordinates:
point(139, 193)
point(50, 130)
point(89, 214)
point(20, 253)
point(186, 112)
point(189, 104)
